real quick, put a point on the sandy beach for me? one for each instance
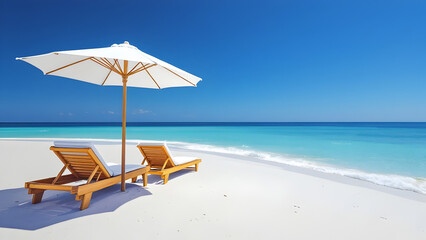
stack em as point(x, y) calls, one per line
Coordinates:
point(230, 197)
point(258, 120)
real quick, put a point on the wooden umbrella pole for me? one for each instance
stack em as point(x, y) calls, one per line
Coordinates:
point(123, 135)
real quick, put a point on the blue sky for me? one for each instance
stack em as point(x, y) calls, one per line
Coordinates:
point(259, 60)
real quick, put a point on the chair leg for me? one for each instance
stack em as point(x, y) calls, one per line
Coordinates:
point(145, 179)
point(166, 178)
point(85, 201)
point(37, 195)
point(196, 167)
point(134, 179)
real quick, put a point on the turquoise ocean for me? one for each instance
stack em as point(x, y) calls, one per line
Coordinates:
point(390, 154)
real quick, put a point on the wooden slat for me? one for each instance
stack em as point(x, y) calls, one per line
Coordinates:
point(83, 150)
point(83, 166)
point(159, 166)
point(81, 170)
point(87, 159)
point(49, 186)
point(155, 155)
point(82, 159)
point(84, 171)
point(154, 150)
point(157, 159)
point(76, 156)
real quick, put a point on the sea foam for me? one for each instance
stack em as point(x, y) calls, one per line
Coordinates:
point(389, 180)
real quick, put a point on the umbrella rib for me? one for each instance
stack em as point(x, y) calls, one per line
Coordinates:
point(141, 69)
point(179, 76)
point(103, 64)
point(106, 62)
point(133, 68)
point(68, 65)
point(111, 66)
point(100, 63)
point(118, 65)
point(146, 69)
point(107, 76)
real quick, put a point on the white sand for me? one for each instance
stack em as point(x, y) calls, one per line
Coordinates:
point(229, 198)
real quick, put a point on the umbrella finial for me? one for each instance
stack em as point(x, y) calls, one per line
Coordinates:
point(125, 44)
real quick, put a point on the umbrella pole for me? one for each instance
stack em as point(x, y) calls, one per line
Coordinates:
point(123, 137)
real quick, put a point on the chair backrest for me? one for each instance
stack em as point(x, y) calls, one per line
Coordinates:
point(156, 154)
point(82, 159)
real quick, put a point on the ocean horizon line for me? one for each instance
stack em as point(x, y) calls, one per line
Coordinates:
point(153, 124)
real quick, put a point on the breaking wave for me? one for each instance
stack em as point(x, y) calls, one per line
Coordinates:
point(389, 180)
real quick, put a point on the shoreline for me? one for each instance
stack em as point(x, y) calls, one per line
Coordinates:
point(393, 181)
point(229, 197)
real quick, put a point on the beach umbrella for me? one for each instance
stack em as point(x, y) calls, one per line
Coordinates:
point(118, 65)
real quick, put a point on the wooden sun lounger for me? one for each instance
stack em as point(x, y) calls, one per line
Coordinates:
point(160, 161)
point(83, 164)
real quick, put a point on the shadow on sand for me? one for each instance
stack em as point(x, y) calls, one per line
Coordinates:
point(156, 179)
point(16, 210)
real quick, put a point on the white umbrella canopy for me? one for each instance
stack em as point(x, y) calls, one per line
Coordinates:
point(118, 65)
point(105, 66)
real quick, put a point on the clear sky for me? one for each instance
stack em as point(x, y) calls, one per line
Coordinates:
point(260, 60)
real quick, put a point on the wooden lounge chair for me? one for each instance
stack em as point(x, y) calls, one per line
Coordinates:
point(161, 162)
point(89, 173)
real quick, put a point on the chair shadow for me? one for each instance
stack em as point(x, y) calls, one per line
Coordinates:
point(156, 179)
point(16, 210)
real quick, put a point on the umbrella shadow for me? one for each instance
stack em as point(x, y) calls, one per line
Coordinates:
point(16, 210)
point(156, 179)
